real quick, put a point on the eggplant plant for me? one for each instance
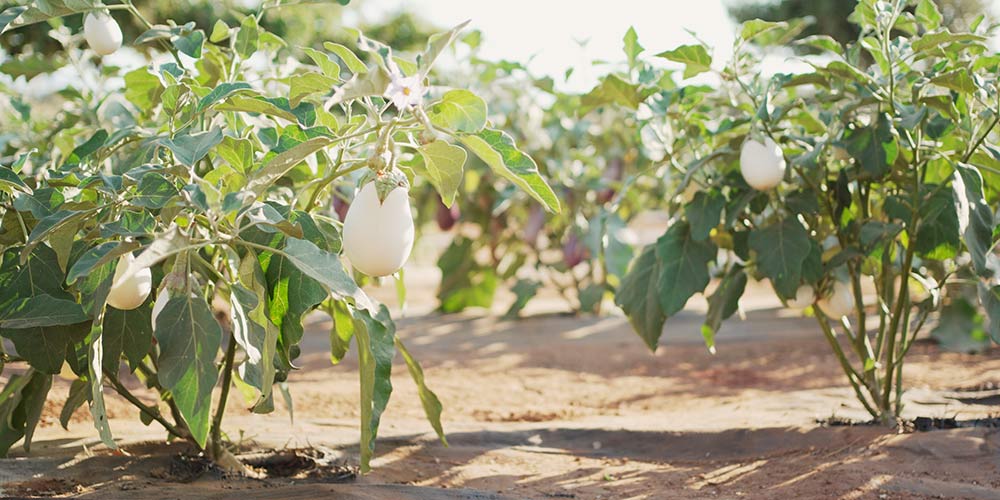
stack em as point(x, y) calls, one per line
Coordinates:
point(866, 193)
point(179, 216)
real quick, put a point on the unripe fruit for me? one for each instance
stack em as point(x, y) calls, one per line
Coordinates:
point(161, 302)
point(839, 303)
point(446, 217)
point(804, 297)
point(533, 227)
point(574, 251)
point(762, 165)
point(378, 236)
point(102, 33)
point(131, 292)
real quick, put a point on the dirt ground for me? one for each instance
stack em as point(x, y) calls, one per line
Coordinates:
point(562, 407)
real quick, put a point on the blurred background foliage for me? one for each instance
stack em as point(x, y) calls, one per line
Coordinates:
point(831, 16)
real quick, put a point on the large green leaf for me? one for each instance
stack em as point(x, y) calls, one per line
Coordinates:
point(253, 330)
point(327, 269)
point(443, 166)
point(436, 43)
point(613, 90)
point(639, 297)
point(21, 404)
point(781, 248)
point(683, 266)
point(459, 111)
point(43, 346)
point(429, 400)
point(189, 339)
point(189, 148)
point(496, 148)
point(723, 302)
point(873, 147)
point(695, 58)
point(975, 217)
point(41, 310)
point(375, 338)
point(703, 213)
point(306, 84)
point(939, 233)
point(464, 282)
point(284, 162)
point(129, 333)
point(220, 93)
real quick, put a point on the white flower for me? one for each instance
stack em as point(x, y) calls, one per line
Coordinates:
point(405, 91)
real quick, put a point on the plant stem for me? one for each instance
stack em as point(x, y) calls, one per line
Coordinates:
point(147, 410)
point(227, 381)
point(852, 375)
point(175, 412)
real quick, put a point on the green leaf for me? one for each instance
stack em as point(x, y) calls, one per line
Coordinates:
point(939, 233)
point(129, 333)
point(683, 266)
point(306, 84)
point(960, 328)
point(781, 248)
point(376, 348)
point(220, 31)
point(443, 166)
point(768, 33)
point(42, 10)
point(189, 339)
point(436, 43)
point(975, 217)
point(496, 148)
point(253, 330)
point(154, 191)
point(873, 147)
point(931, 41)
point(459, 111)
point(284, 162)
point(21, 405)
point(524, 290)
point(341, 332)
point(632, 47)
point(723, 303)
point(143, 89)
point(348, 56)
point(639, 297)
point(191, 43)
point(79, 393)
point(959, 80)
point(220, 93)
point(928, 15)
point(327, 269)
point(703, 212)
point(247, 38)
point(694, 57)
point(9, 15)
point(95, 373)
point(10, 182)
point(429, 400)
point(328, 66)
point(41, 310)
point(464, 283)
point(189, 148)
point(613, 90)
point(371, 84)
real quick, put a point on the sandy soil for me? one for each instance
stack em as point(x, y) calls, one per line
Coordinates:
point(562, 407)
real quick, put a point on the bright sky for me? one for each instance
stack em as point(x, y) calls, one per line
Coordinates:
point(550, 30)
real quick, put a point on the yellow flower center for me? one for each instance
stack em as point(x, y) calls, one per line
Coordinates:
point(406, 91)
